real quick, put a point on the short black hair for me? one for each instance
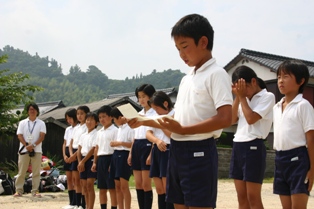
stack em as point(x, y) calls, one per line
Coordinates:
point(158, 99)
point(194, 26)
point(33, 105)
point(92, 115)
point(71, 113)
point(247, 74)
point(296, 68)
point(84, 108)
point(115, 112)
point(104, 109)
point(148, 89)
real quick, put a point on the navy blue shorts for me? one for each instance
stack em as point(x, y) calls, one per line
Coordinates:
point(67, 166)
point(88, 173)
point(140, 151)
point(104, 181)
point(192, 173)
point(248, 161)
point(159, 162)
point(74, 164)
point(119, 165)
point(291, 167)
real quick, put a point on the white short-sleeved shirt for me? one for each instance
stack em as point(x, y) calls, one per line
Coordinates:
point(86, 141)
point(291, 124)
point(104, 137)
point(77, 132)
point(68, 135)
point(158, 133)
point(34, 128)
point(200, 94)
point(125, 134)
point(140, 132)
point(262, 103)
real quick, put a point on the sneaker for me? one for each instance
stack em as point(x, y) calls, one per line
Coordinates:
point(17, 194)
point(68, 207)
point(75, 207)
point(80, 207)
point(36, 194)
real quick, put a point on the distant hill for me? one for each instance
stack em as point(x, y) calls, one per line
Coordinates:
point(78, 87)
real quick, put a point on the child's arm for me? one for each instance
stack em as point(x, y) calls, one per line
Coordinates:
point(221, 120)
point(162, 146)
point(130, 154)
point(310, 149)
point(94, 166)
point(134, 123)
point(235, 108)
point(65, 157)
point(124, 144)
point(80, 167)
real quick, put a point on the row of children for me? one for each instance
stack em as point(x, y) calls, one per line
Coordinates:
point(105, 154)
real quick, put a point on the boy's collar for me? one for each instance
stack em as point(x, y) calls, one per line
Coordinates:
point(204, 66)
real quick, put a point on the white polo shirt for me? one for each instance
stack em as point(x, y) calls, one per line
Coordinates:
point(77, 132)
point(200, 94)
point(262, 103)
point(125, 134)
point(140, 132)
point(86, 141)
point(34, 128)
point(158, 133)
point(104, 137)
point(68, 134)
point(291, 124)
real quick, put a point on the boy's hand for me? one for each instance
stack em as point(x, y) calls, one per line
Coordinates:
point(93, 169)
point(171, 124)
point(309, 179)
point(134, 123)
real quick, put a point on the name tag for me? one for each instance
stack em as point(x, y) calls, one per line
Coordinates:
point(253, 148)
point(294, 158)
point(30, 138)
point(198, 154)
point(148, 145)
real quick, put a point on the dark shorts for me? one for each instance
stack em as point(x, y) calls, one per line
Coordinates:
point(291, 167)
point(192, 173)
point(88, 173)
point(248, 161)
point(104, 181)
point(159, 162)
point(67, 166)
point(119, 165)
point(140, 151)
point(74, 164)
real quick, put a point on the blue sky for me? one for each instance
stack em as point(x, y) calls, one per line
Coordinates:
point(124, 38)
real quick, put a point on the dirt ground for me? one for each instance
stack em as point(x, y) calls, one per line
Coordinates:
point(226, 199)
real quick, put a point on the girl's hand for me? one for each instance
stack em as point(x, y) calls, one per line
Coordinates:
point(162, 146)
point(309, 179)
point(239, 88)
point(148, 160)
point(134, 123)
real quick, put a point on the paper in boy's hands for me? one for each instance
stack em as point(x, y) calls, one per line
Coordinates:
point(129, 112)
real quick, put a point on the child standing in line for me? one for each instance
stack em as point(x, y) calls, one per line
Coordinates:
point(81, 112)
point(140, 150)
point(102, 157)
point(120, 170)
point(203, 108)
point(162, 104)
point(85, 159)
point(253, 110)
point(293, 137)
point(70, 117)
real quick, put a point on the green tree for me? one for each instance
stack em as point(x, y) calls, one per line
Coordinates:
point(12, 94)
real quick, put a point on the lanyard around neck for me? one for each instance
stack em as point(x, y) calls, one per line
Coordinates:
point(29, 128)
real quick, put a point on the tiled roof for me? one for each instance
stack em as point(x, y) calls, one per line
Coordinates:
point(268, 60)
point(132, 96)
